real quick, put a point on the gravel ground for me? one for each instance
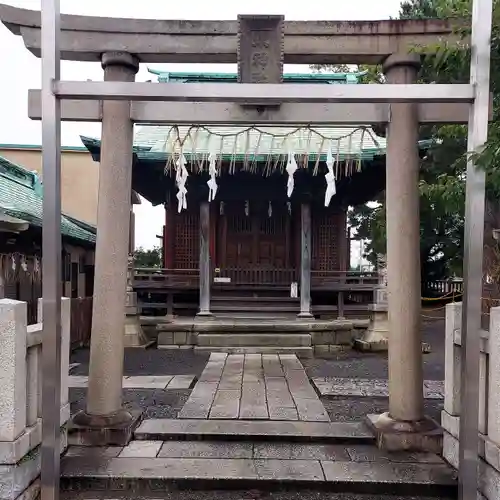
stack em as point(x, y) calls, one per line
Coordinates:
point(156, 403)
point(352, 364)
point(349, 409)
point(150, 361)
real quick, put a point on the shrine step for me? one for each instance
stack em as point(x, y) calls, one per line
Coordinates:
point(255, 316)
point(255, 298)
point(262, 307)
point(300, 352)
point(161, 429)
point(253, 340)
point(172, 468)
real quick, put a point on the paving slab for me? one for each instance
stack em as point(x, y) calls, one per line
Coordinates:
point(162, 473)
point(93, 451)
point(283, 413)
point(226, 404)
point(161, 382)
point(300, 451)
point(141, 449)
point(253, 402)
point(296, 431)
point(363, 387)
point(295, 471)
point(254, 387)
point(181, 382)
point(206, 449)
point(157, 468)
point(145, 381)
point(367, 453)
point(174, 493)
point(410, 477)
point(311, 410)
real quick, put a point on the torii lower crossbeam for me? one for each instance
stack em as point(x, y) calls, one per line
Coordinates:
point(291, 114)
point(259, 94)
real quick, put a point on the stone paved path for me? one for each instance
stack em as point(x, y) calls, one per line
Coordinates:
point(254, 387)
point(142, 381)
point(363, 387)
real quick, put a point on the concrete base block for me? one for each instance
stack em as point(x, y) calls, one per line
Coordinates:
point(113, 430)
point(19, 481)
point(371, 345)
point(392, 435)
point(376, 336)
point(329, 350)
point(172, 347)
point(489, 476)
point(134, 335)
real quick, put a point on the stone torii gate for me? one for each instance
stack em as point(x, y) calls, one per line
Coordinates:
point(260, 45)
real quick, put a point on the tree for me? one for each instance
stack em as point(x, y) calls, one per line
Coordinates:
point(442, 182)
point(147, 258)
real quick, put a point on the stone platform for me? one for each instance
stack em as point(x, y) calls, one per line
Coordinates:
point(254, 465)
point(232, 458)
point(302, 337)
point(254, 387)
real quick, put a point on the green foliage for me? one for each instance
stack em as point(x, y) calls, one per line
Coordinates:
point(147, 258)
point(443, 170)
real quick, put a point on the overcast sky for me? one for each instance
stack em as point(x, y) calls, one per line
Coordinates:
point(21, 70)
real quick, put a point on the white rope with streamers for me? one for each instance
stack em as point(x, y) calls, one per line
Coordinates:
point(212, 169)
point(291, 168)
point(180, 179)
point(331, 188)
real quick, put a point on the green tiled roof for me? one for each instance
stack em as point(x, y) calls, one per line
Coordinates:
point(259, 142)
point(263, 144)
point(324, 78)
point(21, 197)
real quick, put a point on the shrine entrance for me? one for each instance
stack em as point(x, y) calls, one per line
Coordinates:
point(255, 247)
point(260, 45)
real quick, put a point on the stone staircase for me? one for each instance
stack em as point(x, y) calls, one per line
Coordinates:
point(254, 305)
point(195, 459)
point(259, 341)
point(253, 427)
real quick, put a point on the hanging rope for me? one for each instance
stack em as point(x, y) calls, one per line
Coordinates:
point(245, 145)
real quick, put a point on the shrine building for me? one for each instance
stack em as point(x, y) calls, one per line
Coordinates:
point(271, 194)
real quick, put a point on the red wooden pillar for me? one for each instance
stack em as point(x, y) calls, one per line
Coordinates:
point(169, 238)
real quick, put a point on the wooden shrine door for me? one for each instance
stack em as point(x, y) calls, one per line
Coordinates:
point(255, 241)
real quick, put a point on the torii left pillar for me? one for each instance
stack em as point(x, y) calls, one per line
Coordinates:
point(105, 421)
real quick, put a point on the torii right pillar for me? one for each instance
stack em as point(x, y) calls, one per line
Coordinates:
point(404, 426)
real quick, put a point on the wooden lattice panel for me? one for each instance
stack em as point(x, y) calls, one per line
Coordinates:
point(187, 240)
point(325, 241)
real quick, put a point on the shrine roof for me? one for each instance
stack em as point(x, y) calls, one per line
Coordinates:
point(255, 144)
point(198, 77)
point(21, 197)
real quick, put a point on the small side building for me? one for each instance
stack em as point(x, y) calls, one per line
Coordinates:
point(21, 212)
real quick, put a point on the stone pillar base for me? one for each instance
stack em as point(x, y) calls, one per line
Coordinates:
point(425, 435)
point(305, 315)
point(376, 336)
point(204, 315)
point(134, 335)
point(107, 430)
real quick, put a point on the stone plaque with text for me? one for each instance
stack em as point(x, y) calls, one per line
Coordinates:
point(260, 49)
